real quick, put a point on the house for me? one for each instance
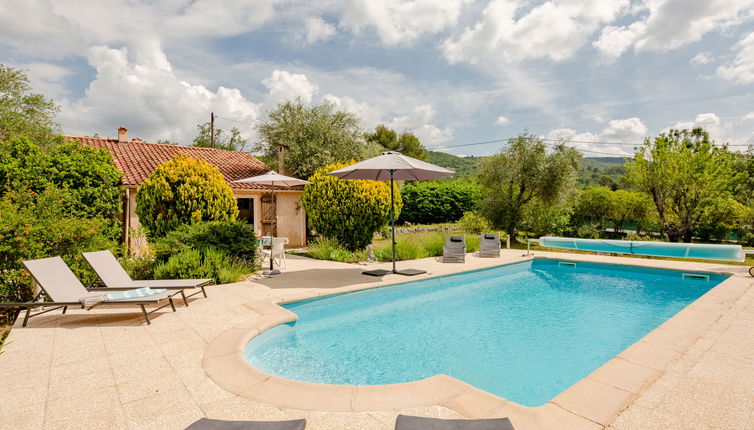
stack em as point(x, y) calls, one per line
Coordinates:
point(136, 159)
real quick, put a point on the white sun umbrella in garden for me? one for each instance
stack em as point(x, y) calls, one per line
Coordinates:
point(392, 166)
point(274, 179)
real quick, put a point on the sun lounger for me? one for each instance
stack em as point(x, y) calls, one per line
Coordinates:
point(116, 278)
point(454, 250)
point(489, 245)
point(61, 286)
point(210, 424)
point(407, 422)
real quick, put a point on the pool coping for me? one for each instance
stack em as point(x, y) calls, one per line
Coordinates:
point(596, 399)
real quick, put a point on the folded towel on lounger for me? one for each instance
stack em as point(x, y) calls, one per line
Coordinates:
point(93, 300)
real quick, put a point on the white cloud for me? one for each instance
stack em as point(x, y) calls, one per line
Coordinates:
point(748, 117)
point(741, 69)
point(709, 121)
point(316, 29)
point(283, 85)
point(595, 117)
point(59, 28)
point(399, 22)
point(418, 122)
point(369, 115)
point(46, 78)
point(613, 41)
point(702, 58)
point(502, 120)
point(619, 131)
point(670, 24)
point(552, 30)
point(149, 99)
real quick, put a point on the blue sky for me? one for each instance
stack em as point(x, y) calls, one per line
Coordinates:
point(454, 72)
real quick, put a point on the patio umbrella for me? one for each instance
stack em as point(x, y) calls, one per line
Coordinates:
point(392, 166)
point(273, 178)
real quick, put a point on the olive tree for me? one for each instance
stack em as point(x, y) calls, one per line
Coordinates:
point(313, 136)
point(522, 173)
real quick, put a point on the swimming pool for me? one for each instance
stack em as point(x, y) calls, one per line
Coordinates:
point(524, 331)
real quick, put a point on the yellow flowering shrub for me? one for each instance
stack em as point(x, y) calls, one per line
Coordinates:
point(349, 211)
point(182, 191)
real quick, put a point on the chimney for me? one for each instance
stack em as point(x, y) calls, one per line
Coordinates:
point(122, 134)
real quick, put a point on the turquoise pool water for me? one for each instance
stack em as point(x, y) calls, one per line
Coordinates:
point(523, 331)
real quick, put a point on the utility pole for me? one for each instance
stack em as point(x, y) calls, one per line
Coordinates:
point(212, 129)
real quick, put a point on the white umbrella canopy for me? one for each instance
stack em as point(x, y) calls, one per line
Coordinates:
point(403, 168)
point(275, 179)
point(392, 166)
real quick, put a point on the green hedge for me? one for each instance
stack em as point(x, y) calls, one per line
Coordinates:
point(432, 202)
point(234, 238)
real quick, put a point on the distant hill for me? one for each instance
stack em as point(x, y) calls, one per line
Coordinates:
point(598, 171)
point(603, 171)
point(464, 166)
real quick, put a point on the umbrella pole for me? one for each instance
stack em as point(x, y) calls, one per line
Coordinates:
point(392, 216)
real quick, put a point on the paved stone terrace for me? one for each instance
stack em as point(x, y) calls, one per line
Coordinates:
point(106, 369)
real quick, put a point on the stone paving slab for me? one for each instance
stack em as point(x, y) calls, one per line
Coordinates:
point(106, 369)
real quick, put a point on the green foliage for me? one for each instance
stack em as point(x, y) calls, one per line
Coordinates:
point(314, 136)
point(232, 141)
point(631, 207)
point(681, 170)
point(405, 249)
point(24, 112)
point(519, 174)
point(234, 238)
point(182, 191)
point(743, 190)
point(602, 172)
point(138, 267)
point(407, 143)
point(202, 263)
point(350, 211)
point(40, 225)
point(594, 206)
point(542, 220)
point(474, 223)
point(88, 175)
point(323, 248)
point(430, 202)
point(721, 216)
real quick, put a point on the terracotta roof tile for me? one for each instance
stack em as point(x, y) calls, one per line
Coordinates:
point(137, 159)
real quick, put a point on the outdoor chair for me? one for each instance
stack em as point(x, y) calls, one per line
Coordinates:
point(211, 424)
point(58, 283)
point(489, 245)
point(407, 422)
point(116, 278)
point(277, 251)
point(454, 250)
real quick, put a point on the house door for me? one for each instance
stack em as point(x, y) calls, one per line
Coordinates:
point(269, 215)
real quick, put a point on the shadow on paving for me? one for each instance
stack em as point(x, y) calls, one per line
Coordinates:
point(319, 278)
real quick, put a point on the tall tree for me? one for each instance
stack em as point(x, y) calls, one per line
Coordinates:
point(406, 143)
point(681, 170)
point(524, 173)
point(24, 112)
point(314, 136)
point(232, 141)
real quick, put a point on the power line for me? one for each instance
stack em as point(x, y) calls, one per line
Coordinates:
point(485, 142)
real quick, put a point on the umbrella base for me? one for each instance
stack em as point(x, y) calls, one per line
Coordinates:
point(271, 272)
point(383, 272)
point(377, 272)
point(410, 272)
